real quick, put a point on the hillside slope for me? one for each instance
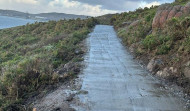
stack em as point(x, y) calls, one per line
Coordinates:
point(39, 55)
point(159, 36)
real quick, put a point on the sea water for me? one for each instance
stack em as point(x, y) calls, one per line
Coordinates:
point(8, 22)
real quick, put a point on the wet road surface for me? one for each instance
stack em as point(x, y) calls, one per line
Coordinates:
point(116, 82)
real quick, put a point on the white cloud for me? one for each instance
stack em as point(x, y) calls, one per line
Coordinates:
point(78, 8)
point(65, 3)
point(19, 1)
point(145, 4)
point(61, 6)
point(152, 4)
point(95, 10)
point(27, 1)
point(131, 5)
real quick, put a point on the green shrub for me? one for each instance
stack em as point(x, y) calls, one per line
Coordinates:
point(175, 29)
point(122, 32)
point(164, 48)
point(142, 30)
point(185, 23)
point(27, 39)
point(187, 44)
point(31, 53)
point(91, 22)
point(149, 17)
point(181, 1)
point(139, 50)
point(150, 42)
point(163, 39)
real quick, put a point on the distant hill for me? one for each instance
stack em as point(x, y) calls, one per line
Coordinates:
point(105, 19)
point(41, 16)
point(58, 16)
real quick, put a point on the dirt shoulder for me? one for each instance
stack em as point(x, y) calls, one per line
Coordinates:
point(60, 96)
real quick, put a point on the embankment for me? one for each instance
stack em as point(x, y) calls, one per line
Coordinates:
point(160, 37)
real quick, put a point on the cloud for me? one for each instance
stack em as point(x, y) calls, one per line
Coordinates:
point(80, 7)
point(121, 5)
point(64, 3)
point(152, 4)
point(144, 4)
point(26, 1)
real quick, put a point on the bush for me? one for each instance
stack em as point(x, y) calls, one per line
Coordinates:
point(150, 42)
point(175, 29)
point(142, 30)
point(186, 44)
point(91, 22)
point(27, 62)
point(150, 17)
point(164, 48)
point(185, 23)
point(163, 39)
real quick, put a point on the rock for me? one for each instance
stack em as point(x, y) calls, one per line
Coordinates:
point(173, 70)
point(171, 14)
point(163, 17)
point(126, 23)
point(179, 14)
point(156, 20)
point(166, 12)
point(57, 109)
point(63, 109)
point(166, 72)
point(132, 47)
point(70, 98)
point(34, 109)
point(69, 67)
point(186, 9)
point(177, 8)
point(154, 64)
point(134, 24)
point(187, 64)
point(83, 92)
point(187, 72)
point(77, 52)
point(151, 65)
point(188, 4)
point(163, 7)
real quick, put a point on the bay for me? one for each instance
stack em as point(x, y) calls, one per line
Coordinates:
point(8, 22)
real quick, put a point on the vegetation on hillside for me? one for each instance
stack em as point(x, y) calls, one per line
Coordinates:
point(171, 43)
point(180, 2)
point(147, 14)
point(30, 55)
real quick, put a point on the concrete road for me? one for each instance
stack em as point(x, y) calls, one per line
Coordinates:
point(116, 82)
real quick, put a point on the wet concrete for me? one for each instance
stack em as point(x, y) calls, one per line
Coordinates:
point(116, 82)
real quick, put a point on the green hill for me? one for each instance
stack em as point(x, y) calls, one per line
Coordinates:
point(31, 56)
point(41, 16)
point(160, 37)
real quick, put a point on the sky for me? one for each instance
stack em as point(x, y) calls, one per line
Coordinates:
point(78, 7)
